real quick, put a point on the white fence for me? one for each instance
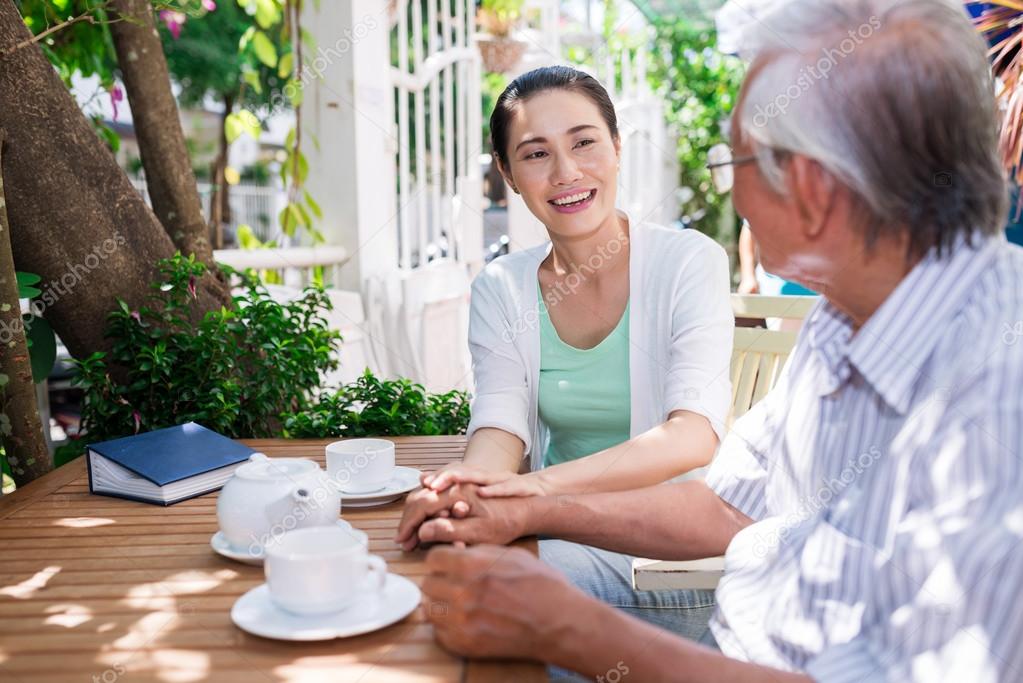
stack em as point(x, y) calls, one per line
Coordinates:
point(254, 205)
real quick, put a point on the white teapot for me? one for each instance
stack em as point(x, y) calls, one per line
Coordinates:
point(267, 497)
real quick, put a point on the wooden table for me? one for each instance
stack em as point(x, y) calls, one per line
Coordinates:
point(96, 588)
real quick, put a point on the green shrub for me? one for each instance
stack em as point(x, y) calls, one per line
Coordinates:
point(235, 372)
point(373, 407)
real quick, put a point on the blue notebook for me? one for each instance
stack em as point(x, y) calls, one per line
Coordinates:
point(164, 466)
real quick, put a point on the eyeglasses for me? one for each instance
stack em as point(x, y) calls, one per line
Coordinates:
point(721, 165)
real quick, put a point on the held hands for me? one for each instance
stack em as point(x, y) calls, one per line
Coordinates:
point(471, 519)
point(492, 601)
point(494, 484)
point(425, 503)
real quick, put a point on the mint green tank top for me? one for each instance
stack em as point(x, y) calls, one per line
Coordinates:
point(583, 396)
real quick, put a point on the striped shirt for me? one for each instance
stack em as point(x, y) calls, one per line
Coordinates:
point(885, 481)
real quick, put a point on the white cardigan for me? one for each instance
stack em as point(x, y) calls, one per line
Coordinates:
point(680, 335)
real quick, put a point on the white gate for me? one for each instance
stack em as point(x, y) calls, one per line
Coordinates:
point(440, 136)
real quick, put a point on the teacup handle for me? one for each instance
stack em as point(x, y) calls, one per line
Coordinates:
point(377, 566)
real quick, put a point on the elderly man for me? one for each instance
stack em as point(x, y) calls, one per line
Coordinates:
point(871, 506)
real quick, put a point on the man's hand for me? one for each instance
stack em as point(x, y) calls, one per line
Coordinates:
point(472, 520)
point(492, 601)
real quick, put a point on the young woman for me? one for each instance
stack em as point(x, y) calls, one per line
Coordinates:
point(600, 358)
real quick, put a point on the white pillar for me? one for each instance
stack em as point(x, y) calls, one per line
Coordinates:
point(349, 133)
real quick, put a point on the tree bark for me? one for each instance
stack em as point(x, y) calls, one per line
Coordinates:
point(75, 218)
point(25, 445)
point(169, 175)
point(220, 207)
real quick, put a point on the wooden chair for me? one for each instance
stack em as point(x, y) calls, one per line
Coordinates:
point(758, 356)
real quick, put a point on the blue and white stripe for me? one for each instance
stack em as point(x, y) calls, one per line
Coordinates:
point(885, 480)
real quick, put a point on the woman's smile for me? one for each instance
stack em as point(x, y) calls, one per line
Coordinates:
point(573, 202)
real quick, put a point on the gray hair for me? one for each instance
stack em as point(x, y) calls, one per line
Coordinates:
point(894, 98)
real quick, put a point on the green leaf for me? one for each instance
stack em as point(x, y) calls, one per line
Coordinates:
point(241, 121)
point(267, 13)
point(285, 64)
point(252, 79)
point(295, 96)
point(313, 206)
point(233, 128)
point(246, 38)
point(26, 278)
point(264, 49)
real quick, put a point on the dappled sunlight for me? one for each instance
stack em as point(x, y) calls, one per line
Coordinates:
point(181, 666)
point(965, 657)
point(145, 631)
point(27, 588)
point(72, 616)
point(83, 522)
point(181, 583)
point(1014, 521)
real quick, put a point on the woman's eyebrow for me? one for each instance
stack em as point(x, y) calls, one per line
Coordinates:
point(570, 131)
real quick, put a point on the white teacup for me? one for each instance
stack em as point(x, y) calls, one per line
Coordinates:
point(321, 570)
point(360, 465)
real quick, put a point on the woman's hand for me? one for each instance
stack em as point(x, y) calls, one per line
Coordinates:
point(494, 484)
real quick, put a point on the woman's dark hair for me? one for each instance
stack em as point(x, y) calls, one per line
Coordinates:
point(541, 80)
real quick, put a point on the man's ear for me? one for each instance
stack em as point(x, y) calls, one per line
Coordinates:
point(812, 190)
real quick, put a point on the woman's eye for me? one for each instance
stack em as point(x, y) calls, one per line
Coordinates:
point(581, 143)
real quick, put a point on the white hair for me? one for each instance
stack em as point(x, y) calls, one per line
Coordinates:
point(894, 98)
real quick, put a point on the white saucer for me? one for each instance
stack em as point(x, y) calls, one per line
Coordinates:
point(222, 547)
point(404, 480)
point(256, 613)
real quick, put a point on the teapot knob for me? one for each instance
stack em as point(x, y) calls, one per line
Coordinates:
point(301, 494)
point(258, 457)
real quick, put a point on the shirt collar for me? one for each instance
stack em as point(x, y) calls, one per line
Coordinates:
point(891, 349)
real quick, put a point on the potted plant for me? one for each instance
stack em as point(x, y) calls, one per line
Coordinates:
point(1001, 24)
point(497, 19)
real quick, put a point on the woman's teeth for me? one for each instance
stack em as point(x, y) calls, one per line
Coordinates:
point(572, 199)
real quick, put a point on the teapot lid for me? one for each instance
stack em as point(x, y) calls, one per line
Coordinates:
point(261, 468)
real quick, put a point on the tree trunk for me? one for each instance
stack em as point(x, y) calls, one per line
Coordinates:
point(75, 218)
point(24, 445)
point(169, 175)
point(220, 207)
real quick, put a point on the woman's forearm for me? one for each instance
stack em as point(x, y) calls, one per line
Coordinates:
point(682, 443)
point(494, 449)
